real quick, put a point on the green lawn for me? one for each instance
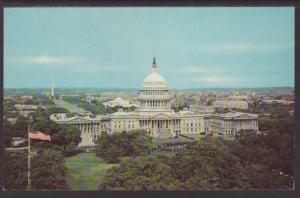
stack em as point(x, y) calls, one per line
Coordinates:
point(85, 171)
point(73, 108)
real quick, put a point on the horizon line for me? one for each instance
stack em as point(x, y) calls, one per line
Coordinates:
point(139, 88)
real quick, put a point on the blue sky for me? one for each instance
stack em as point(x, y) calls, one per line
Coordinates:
point(113, 47)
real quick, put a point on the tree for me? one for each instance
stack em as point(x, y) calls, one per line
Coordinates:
point(133, 143)
point(49, 171)
point(15, 171)
point(140, 173)
point(68, 137)
point(64, 137)
point(245, 163)
point(20, 127)
point(43, 100)
point(266, 155)
point(53, 109)
point(198, 167)
point(8, 132)
point(209, 165)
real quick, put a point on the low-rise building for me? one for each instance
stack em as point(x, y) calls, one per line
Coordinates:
point(284, 102)
point(230, 104)
point(119, 102)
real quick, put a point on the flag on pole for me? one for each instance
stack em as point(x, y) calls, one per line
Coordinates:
point(34, 135)
point(39, 135)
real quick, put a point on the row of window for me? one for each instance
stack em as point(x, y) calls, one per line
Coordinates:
point(229, 124)
point(191, 131)
point(124, 121)
point(192, 124)
point(119, 126)
point(95, 137)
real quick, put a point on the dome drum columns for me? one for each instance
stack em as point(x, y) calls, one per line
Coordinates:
point(154, 94)
point(165, 104)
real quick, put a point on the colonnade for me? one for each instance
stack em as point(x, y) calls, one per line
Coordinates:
point(155, 103)
point(245, 124)
point(161, 125)
point(154, 93)
point(89, 127)
point(232, 126)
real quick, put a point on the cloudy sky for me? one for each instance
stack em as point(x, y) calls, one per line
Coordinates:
point(113, 47)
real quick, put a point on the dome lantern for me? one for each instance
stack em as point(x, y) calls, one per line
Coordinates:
point(154, 79)
point(154, 65)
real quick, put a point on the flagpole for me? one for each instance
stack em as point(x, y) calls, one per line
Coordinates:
point(29, 165)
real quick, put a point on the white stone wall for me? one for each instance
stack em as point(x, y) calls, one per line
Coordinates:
point(192, 125)
point(125, 124)
point(232, 126)
point(161, 126)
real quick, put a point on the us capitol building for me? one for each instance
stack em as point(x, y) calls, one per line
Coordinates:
point(155, 115)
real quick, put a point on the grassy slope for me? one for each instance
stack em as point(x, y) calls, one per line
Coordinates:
point(85, 171)
point(71, 107)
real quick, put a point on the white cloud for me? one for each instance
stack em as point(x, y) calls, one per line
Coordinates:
point(218, 79)
point(53, 60)
point(244, 47)
point(211, 75)
point(45, 60)
point(70, 63)
point(194, 69)
point(92, 69)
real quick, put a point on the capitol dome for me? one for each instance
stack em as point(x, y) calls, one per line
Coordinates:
point(154, 79)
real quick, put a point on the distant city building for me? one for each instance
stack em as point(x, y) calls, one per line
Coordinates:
point(46, 93)
point(25, 110)
point(284, 102)
point(202, 109)
point(230, 104)
point(90, 99)
point(17, 140)
point(238, 97)
point(154, 115)
point(61, 96)
point(27, 97)
point(119, 102)
point(23, 107)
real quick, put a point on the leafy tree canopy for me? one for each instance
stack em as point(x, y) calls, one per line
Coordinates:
point(245, 163)
point(133, 143)
point(64, 137)
point(49, 171)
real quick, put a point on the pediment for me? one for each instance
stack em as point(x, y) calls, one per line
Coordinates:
point(79, 120)
point(161, 116)
point(244, 117)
